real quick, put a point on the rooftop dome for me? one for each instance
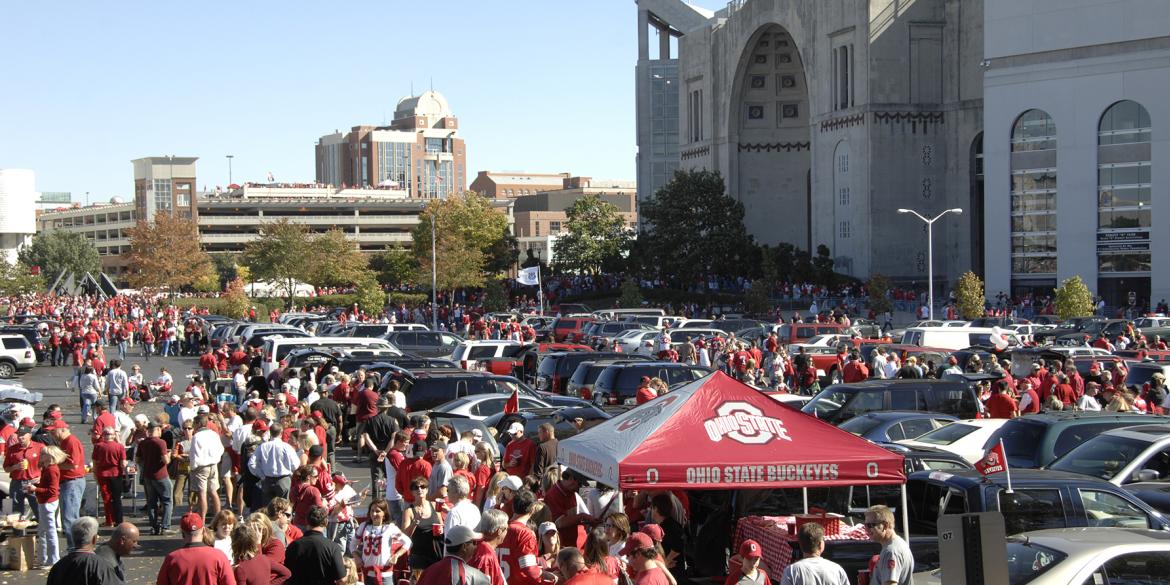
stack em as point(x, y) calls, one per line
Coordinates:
point(429, 103)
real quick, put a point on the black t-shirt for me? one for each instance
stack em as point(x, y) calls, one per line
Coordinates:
point(82, 567)
point(398, 415)
point(381, 429)
point(330, 410)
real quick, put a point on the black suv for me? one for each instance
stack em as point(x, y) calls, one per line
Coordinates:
point(433, 344)
point(554, 371)
point(581, 382)
point(425, 391)
point(841, 402)
point(618, 384)
point(1035, 440)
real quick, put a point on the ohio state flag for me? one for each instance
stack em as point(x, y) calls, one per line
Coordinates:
point(513, 403)
point(994, 462)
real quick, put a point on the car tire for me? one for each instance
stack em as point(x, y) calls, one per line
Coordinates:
point(7, 370)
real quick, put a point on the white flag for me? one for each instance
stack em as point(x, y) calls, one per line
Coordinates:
point(529, 276)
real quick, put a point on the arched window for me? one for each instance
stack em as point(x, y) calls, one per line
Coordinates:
point(1123, 189)
point(1033, 195)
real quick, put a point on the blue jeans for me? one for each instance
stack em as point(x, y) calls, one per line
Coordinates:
point(71, 493)
point(87, 400)
point(114, 402)
point(47, 533)
point(122, 350)
point(19, 498)
point(166, 348)
point(158, 492)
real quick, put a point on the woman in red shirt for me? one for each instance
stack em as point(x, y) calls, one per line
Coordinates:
point(48, 490)
point(304, 495)
point(253, 568)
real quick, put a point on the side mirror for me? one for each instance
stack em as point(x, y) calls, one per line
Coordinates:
point(1145, 475)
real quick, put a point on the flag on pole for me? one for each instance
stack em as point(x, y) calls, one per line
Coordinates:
point(995, 462)
point(513, 404)
point(529, 276)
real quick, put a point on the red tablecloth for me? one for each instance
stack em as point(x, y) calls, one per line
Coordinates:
point(772, 534)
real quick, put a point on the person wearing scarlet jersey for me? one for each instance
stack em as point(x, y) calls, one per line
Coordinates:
point(195, 563)
point(22, 461)
point(1002, 405)
point(377, 545)
point(520, 548)
point(72, 475)
point(520, 454)
point(493, 525)
point(561, 501)
point(103, 420)
point(644, 561)
point(413, 467)
point(645, 393)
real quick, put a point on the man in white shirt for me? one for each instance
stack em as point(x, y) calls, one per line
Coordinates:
point(463, 511)
point(879, 363)
point(206, 451)
point(1088, 401)
point(273, 462)
point(124, 423)
point(813, 569)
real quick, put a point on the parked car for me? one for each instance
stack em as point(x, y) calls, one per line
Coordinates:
point(39, 345)
point(554, 371)
point(1074, 325)
point(565, 327)
point(1081, 555)
point(481, 406)
point(618, 384)
point(468, 352)
point(1036, 440)
point(581, 381)
point(16, 355)
point(1141, 372)
point(964, 438)
point(895, 425)
point(426, 390)
point(424, 343)
point(1136, 458)
point(923, 460)
point(841, 402)
point(563, 420)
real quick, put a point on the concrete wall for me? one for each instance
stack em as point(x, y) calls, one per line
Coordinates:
point(1017, 27)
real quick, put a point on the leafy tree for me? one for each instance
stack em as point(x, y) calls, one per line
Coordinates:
point(226, 267)
point(18, 279)
point(369, 295)
point(208, 282)
point(467, 230)
point(495, 295)
point(692, 227)
point(594, 235)
point(501, 256)
point(61, 250)
point(756, 300)
point(235, 301)
point(969, 296)
point(878, 289)
point(334, 260)
point(1073, 299)
point(280, 256)
point(167, 253)
point(631, 296)
point(823, 266)
point(394, 266)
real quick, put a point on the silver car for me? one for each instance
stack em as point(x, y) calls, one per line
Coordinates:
point(1082, 556)
point(481, 406)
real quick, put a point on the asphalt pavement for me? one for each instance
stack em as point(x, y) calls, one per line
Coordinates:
point(142, 566)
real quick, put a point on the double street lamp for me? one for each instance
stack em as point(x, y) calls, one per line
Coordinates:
point(930, 251)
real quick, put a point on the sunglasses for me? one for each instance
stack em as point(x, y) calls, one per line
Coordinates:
point(418, 487)
point(872, 525)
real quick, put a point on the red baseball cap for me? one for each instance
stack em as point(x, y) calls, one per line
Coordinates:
point(654, 531)
point(259, 425)
point(28, 422)
point(750, 549)
point(55, 424)
point(191, 522)
point(56, 414)
point(636, 542)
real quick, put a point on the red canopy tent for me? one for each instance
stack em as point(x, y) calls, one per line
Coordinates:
point(717, 433)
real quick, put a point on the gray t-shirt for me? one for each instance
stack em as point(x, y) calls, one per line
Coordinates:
point(814, 571)
point(894, 564)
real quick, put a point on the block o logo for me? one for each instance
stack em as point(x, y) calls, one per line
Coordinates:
point(744, 423)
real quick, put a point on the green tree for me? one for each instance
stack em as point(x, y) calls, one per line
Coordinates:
point(502, 255)
point(594, 235)
point(59, 251)
point(495, 295)
point(280, 256)
point(823, 266)
point(334, 260)
point(756, 300)
point(370, 296)
point(878, 289)
point(167, 253)
point(235, 301)
point(226, 267)
point(395, 266)
point(691, 227)
point(18, 279)
point(631, 296)
point(1073, 299)
point(969, 296)
point(467, 229)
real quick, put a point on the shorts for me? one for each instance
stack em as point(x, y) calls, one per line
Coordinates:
point(225, 465)
point(205, 479)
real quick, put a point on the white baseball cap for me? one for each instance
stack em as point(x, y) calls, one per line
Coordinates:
point(460, 535)
point(516, 429)
point(511, 482)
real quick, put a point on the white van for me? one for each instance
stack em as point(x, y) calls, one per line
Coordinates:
point(956, 338)
point(276, 348)
point(617, 314)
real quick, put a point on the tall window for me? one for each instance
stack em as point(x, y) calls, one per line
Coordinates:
point(1033, 194)
point(162, 195)
point(393, 162)
point(1123, 189)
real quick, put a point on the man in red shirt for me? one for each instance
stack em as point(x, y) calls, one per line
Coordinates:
point(520, 454)
point(414, 467)
point(366, 403)
point(1000, 405)
point(22, 461)
point(639, 549)
point(645, 392)
point(855, 370)
point(72, 475)
point(561, 501)
point(208, 364)
point(195, 563)
point(154, 456)
point(519, 550)
point(104, 419)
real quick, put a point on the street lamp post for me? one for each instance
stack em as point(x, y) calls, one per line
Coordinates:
point(930, 252)
point(434, 279)
point(230, 157)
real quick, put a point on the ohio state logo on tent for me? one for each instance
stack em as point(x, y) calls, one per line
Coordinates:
point(744, 423)
point(646, 412)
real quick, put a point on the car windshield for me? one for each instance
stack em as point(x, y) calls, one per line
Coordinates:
point(1021, 440)
point(948, 434)
point(827, 403)
point(1102, 456)
point(1027, 561)
point(860, 425)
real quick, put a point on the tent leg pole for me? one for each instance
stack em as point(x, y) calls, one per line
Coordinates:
point(804, 496)
point(905, 516)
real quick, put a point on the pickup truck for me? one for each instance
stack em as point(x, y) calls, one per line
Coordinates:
point(521, 361)
point(1039, 499)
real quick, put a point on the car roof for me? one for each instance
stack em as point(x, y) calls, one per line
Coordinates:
point(886, 415)
point(1053, 417)
point(1091, 540)
point(896, 383)
point(968, 478)
point(1142, 432)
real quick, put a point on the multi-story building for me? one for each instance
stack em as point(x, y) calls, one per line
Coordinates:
point(54, 199)
point(512, 184)
point(541, 217)
point(104, 224)
point(419, 152)
point(164, 184)
point(18, 222)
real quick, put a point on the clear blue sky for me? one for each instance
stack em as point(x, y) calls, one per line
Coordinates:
point(538, 85)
